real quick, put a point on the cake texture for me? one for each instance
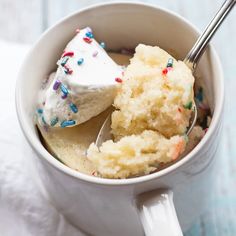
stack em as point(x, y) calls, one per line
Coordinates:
point(153, 95)
point(153, 107)
point(135, 155)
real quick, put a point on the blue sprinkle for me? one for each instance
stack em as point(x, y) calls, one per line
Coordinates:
point(40, 111)
point(80, 61)
point(66, 123)
point(170, 63)
point(102, 44)
point(64, 89)
point(89, 34)
point(73, 107)
point(54, 121)
point(64, 60)
point(43, 120)
point(199, 95)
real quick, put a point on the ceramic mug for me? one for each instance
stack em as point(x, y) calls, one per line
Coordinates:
point(129, 207)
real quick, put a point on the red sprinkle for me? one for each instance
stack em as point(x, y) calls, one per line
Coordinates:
point(165, 71)
point(77, 30)
point(64, 96)
point(68, 69)
point(68, 54)
point(205, 130)
point(118, 80)
point(179, 109)
point(87, 39)
point(93, 173)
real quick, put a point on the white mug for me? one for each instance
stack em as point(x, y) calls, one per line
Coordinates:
point(129, 207)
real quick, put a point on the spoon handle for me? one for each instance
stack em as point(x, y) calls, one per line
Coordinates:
point(199, 47)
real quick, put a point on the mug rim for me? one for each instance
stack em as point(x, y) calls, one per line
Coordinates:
point(41, 150)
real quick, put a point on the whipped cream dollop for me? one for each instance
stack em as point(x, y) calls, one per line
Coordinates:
point(83, 86)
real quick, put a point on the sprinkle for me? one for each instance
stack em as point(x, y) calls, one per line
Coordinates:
point(64, 96)
point(64, 61)
point(56, 85)
point(54, 121)
point(95, 53)
point(80, 61)
point(118, 80)
point(188, 105)
point(178, 149)
point(77, 30)
point(94, 173)
point(73, 107)
point(170, 63)
point(203, 106)
point(102, 44)
point(165, 71)
point(205, 130)
point(199, 95)
point(127, 51)
point(64, 89)
point(43, 120)
point(66, 123)
point(40, 111)
point(68, 70)
point(68, 54)
point(89, 34)
point(87, 39)
point(179, 109)
point(169, 66)
point(89, 29)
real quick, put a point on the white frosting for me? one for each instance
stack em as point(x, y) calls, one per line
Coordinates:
point(91, 86)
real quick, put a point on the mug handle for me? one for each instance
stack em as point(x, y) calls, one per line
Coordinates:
point(157, 213)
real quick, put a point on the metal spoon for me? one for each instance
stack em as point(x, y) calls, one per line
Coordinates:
point(191, 61)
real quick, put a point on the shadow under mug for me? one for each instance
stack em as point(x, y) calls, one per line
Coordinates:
point(151, 203)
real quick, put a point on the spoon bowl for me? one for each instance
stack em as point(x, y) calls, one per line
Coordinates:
point(105, 131)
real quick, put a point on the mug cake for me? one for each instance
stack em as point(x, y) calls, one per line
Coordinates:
point(152, 96)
